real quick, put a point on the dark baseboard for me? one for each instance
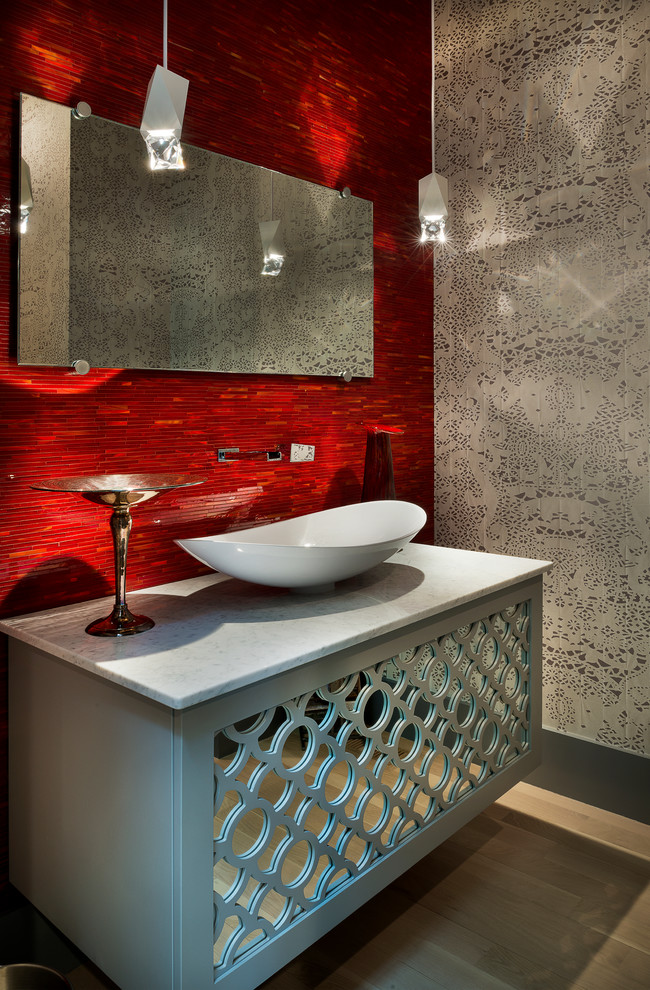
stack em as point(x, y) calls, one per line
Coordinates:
point(597, 775)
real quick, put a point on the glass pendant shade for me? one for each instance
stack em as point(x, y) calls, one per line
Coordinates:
point(272, 247)
point(162, 120)
point(26, 200)
point(433, 207)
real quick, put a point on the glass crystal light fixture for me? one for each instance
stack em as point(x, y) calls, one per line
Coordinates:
point(164, 108)
point(272, 264)
point(26, 199)
point(272, 244)
point(162, 120)
point(433, 207)
point(433, 188)
point(272, 247)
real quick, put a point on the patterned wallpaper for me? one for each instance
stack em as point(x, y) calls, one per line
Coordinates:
point(542, 346)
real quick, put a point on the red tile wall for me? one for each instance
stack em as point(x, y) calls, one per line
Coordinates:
point(335, 93)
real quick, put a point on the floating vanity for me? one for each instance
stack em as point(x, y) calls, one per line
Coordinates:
point(195, 805)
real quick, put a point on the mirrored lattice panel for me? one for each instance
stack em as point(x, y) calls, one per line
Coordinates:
point(314, 792)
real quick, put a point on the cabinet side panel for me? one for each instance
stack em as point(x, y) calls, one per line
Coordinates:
point(90, 827)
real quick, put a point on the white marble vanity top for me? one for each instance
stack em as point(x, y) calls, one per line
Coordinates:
point(215, 634)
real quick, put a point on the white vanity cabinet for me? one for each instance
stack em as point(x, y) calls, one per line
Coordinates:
point(195, 805)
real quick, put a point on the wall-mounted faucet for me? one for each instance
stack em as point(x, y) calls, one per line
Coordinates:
point(294, 451)
point(228, 455)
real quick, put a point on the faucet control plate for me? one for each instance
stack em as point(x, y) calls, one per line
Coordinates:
point(302, 452)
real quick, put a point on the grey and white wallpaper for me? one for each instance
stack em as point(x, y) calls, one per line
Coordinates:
point(542, 340)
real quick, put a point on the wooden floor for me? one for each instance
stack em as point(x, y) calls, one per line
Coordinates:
point(537, 893)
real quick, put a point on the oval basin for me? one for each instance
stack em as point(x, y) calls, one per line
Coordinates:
point(314, 550)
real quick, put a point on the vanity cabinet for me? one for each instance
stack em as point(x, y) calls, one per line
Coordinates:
point(195, 805)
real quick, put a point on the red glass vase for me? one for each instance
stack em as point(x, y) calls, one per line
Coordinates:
point(378, 478)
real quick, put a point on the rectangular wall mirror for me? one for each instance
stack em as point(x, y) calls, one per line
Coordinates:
point(124, 267)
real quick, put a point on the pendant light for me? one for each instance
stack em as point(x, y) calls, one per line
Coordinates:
point(433, 188)
point(272, 245)
point(164, 108)
point(26, 198)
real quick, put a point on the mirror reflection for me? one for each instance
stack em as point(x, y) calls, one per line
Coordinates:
point(123, 267)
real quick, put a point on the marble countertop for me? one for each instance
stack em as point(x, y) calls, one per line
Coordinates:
point(214, 634)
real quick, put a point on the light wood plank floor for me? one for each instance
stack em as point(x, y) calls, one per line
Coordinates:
point(537, 893)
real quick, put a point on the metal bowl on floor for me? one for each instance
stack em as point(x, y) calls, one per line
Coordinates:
point(27, 976)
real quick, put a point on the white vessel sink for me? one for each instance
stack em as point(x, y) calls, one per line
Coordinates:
point(315, 550)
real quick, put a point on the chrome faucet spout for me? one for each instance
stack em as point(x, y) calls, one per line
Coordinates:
point(228, 455)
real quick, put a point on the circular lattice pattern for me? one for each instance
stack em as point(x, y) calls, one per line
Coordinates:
point(311, 793)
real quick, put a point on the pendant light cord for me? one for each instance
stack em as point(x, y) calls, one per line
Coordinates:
point(164, 34)
point(433, 87)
